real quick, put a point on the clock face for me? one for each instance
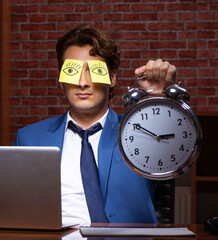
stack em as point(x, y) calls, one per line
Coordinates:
point(158, 138)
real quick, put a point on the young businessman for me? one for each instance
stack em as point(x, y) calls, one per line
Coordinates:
point(125, 196)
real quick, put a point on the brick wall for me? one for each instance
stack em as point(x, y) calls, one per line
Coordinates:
point(182, 32)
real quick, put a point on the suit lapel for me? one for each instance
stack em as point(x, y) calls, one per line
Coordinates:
point(105, 150)
point(55, 133)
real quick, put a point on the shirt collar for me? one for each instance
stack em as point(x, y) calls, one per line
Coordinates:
point(102, 120)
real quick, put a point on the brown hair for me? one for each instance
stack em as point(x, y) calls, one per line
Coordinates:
point(101, 44)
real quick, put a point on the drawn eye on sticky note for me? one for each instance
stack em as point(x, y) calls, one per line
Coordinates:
point(71, 71)
point(99, 72)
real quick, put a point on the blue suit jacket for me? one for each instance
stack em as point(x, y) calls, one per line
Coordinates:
point(127, 196)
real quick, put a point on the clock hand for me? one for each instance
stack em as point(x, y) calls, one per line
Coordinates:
point(166, 136)
point(138, 126)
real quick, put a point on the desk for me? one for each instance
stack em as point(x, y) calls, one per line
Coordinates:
point(75, 234)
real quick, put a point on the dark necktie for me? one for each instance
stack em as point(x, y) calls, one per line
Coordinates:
point(90, 175)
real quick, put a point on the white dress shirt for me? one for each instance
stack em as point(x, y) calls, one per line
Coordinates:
point(74, 207)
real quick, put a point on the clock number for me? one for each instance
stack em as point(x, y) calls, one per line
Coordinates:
point(131, 138)
point(136, 151)
point(173, 158)
point(136, 126)
point(180, 122)
point(156, 111)
point(144, 116)
point(181, 148)
point(147, 158)
point(185, 134)
point(160, 163)
point(169, 113)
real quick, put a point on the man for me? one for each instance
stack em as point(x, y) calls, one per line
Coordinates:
point(126, 197)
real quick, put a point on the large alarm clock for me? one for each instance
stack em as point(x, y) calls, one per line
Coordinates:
point(159, 137)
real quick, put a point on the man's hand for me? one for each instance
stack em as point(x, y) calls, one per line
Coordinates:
point(159, 75)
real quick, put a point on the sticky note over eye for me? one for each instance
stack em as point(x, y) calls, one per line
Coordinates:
point(71, 71)
point(99, 72)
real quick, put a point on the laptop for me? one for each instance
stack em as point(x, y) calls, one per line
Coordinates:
point(30, 188)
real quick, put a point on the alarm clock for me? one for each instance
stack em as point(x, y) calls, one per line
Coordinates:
point(159, 136)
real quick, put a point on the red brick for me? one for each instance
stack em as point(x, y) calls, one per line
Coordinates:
point(166, 26)
point(73, 17)
point(187, 54)
point(153, 16)
point(206, 53)
point(39, 101)
point(213, 6)
point(25, 9)
point(149, 35)
point(202, 6)
point(206, 16)
point(63, 8)
point(131, 54)
point(18, 111)
point(26, 64)
point(38, 92)
point(38, 83)
point(197, 44)
point(148, 54)
point(37, 18)
point(168, 54)
point(181, 6)
point(214, 63)
point(55, 17)
point(186, 35)
point(15, 101)
point(19, 55)
point(38, 36)
point(83, 8)
point(26, 120)
point(19, 92)
point(206, 91)
point(19, 18)
point(37, 73)
point(19, 36)
point(131, 17)
point(167, 44)
point(167, 35)
point(133, 45)
point(207, 72)
point(55, 92)
point(213, 100)
point(187, 15)
point(37, 55)
point(213, 44)
point(56, 110)
point(38, 45)
point(18, 73)
point(37, 27)
point(147, 7)
point(92, 17)
point(167, 17)
point(127, 26)
point(130, 35)
point(206, 34)
point(121, 7)
point(38, 111)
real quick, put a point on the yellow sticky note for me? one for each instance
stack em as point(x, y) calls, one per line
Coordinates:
point(71, 71)
point(99, 72)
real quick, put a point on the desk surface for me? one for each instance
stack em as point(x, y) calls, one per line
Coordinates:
point(75, 234)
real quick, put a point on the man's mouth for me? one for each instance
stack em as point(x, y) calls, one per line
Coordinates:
point(83, 95)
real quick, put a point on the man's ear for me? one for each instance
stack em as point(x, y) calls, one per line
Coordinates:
point(113, 79)
point(61, 85)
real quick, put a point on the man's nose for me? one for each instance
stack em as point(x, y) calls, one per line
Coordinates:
point(85, 79)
